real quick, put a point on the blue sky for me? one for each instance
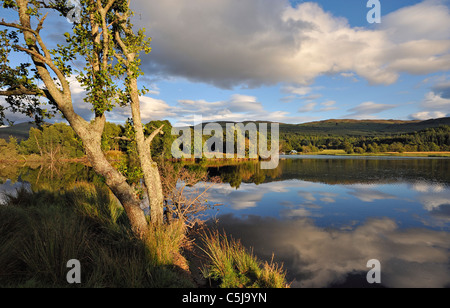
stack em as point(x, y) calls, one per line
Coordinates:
point(290, 61)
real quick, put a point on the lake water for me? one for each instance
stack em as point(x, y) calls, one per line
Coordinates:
point(323, 217)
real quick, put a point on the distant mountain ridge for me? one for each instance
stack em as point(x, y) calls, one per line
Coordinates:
point(363, 127)
point(334, 127)
point(349, 127)
point(20, 131)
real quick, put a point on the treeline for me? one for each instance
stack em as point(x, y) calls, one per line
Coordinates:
point(428, 140)
point(59, 141)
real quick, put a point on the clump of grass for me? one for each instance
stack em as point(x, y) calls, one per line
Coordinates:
point(163, 242)
point(41, 231)
point(232, 266)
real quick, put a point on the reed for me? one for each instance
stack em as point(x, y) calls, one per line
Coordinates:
point(233, 266)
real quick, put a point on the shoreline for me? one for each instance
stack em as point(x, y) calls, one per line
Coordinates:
point(445, 154)
point(384, 154)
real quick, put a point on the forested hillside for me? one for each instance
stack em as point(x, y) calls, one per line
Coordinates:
point(352, 136)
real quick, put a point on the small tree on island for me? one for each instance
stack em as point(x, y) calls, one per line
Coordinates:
point(103, 40)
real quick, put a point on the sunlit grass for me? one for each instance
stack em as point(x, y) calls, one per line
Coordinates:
point(41, 231)
point(233, 266)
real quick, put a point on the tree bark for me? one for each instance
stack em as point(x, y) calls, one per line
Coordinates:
point(91, 138)
point(150, 170)
point(91, 133)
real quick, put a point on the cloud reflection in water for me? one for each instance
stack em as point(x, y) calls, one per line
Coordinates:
point(405, 226)
point(318, 257)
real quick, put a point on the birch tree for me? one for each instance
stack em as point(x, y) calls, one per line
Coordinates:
point(104, 42)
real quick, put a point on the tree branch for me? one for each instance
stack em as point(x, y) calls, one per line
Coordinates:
point(149, 139)
point(32, 53)
point(109, 5)
point(121, 138)
point(17, 26)
point(41, 23)
point(21, 90)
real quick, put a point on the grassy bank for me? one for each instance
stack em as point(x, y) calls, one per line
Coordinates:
point(41, 231)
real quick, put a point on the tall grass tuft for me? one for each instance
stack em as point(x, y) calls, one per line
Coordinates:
point(232, 266)
point(41, 231)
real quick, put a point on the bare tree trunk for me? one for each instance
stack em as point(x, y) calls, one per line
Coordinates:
point(150, 170)
point(91, 138)
point(91, 133)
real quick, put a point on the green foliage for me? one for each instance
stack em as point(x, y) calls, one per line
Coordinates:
point(234, 267)
point(430, 139)
point(109, 138)
point(116, 54)
point(102, 40)
point(161, 146)
point(57, 139)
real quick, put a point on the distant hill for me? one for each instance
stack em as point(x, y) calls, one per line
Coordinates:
point(362, 127)
point(323, 128)
point(357, 127)
point(19, 131)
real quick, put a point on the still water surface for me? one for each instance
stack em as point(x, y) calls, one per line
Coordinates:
point(325, 217)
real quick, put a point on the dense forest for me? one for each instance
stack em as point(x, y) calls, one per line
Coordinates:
point(430, 139)
point(59, 140)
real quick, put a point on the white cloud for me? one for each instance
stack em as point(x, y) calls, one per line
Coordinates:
point(433, 106)
point(427, 115)
point(307, 108)
point(428, 19)
point(328, 106)
point(367, 110)
point(434, 101)
point(231, 42)
point(237, 108)
point(297, 90)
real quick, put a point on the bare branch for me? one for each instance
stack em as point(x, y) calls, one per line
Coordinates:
point(109, 5)
point(41, 22)
point(149, 140)
point(22, 90)
point(17, 26)
point(32, 53)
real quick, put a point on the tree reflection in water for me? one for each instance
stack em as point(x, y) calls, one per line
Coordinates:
point(323, 217)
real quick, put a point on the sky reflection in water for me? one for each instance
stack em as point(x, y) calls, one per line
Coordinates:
point(325, 232)
point(325, 217)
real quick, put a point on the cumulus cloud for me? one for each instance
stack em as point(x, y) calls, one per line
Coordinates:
point(237, 108)
point(308, 107)
point(434, 105)
point(427, 115)
point(230, 42)
point(442, 89)
point(435, 101)
point(411, 23)
point(367, 110)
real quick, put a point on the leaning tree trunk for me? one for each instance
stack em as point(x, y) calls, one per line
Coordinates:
point(150, 169)
point(59, 93)
point(126, 195)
